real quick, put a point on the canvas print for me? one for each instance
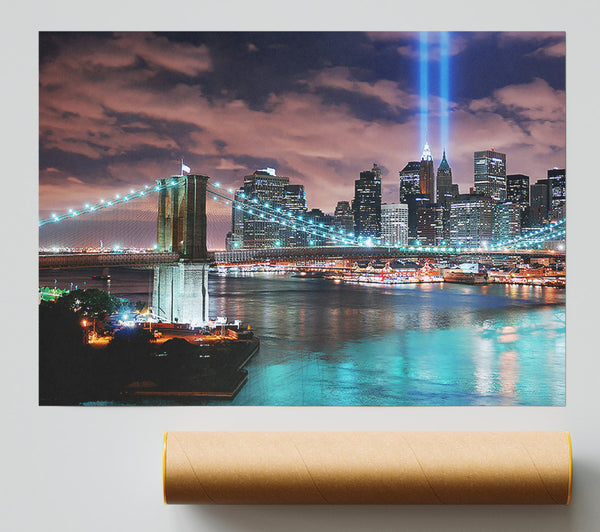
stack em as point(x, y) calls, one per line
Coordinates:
point(302, 218)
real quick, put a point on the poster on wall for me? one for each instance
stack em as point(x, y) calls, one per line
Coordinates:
point(302, 218)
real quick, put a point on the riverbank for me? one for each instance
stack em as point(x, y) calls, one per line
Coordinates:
point(222, 379)
point(130, 364)
point(327, 343)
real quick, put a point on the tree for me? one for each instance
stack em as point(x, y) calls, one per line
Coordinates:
point(63, 374)
point(92, 303)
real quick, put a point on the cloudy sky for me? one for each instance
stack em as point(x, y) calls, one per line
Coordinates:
point(120, 110)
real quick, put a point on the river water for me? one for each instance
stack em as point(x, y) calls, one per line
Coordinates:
point(421, 344)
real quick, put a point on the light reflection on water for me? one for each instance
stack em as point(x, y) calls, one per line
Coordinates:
point(335, 344)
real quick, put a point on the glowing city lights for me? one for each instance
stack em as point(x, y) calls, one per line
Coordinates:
point(264, 211)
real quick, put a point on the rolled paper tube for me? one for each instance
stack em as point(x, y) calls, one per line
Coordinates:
point(367, 467)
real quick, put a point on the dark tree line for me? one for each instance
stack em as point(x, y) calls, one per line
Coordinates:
point(72, 372)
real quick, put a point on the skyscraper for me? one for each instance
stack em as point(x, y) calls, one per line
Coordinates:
point(409, 180)
point(445, 189)
point(471, 220)
point(235, 239)
point(557, 189)
point(367, 203)
point(394, 224)
point(294, 202)
point(430, 224)
point(517, 189)
point(490, 174)
point(263, 186)
point(343, 217)
point(506, 221)
point(415, 202)
point(426, 175)
point(540, 196)
point(532, 218)
point(327, 220)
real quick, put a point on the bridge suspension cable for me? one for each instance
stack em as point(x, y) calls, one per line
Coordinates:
point(265, 211)
point(298, 222)
point(104, 204)
point(551, 231)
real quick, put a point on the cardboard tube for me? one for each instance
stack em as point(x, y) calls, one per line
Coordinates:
point(367, 467)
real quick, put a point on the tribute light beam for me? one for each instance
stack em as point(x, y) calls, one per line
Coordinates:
point(444, 88)
point(423, 86)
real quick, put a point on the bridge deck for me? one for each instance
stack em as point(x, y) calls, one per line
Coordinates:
point(88, 260)
point(361, 252)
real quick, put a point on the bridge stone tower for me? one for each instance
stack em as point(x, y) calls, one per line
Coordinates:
point(180, 291)
point(182, 216)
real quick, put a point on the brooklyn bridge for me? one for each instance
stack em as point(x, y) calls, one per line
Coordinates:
point(182, 234)
point(181, 259)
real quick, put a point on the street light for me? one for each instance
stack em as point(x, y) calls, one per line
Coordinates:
point(84, 324)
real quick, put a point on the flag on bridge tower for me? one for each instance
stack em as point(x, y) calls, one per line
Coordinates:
point(185, 168)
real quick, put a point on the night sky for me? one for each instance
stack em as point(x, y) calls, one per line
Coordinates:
point(120, 110)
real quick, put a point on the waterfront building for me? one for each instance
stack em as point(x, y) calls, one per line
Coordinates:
point(426, 175)
point(343, 217)
point(409, 180)
point(471, 220)
point(557, 197)
point(430, 224)
point(394, 224)
point(445, 189)
point(506, 221)
point(517, 189)
point(490, 174)
point(367, 204)
point(263, 186)
point(539, 196)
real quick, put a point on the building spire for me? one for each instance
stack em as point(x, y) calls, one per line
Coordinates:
point(444, 162)
point(426, 153)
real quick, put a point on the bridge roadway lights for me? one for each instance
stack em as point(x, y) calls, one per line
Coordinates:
point(91, 260)
point(342, 252)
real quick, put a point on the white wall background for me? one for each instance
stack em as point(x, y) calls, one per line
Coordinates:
point(97, 469)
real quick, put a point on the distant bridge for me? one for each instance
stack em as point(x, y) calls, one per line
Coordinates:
point(89, 260)
point(299, 254)
point(285, 255)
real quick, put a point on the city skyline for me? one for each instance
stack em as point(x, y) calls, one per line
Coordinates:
point(220, 230)
point(277, 129)
point(117, 111)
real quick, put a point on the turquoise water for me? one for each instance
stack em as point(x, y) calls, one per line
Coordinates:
point(439, 344)
point(336, 344)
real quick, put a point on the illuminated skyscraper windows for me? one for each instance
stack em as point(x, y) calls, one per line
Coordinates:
point(490, 174)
